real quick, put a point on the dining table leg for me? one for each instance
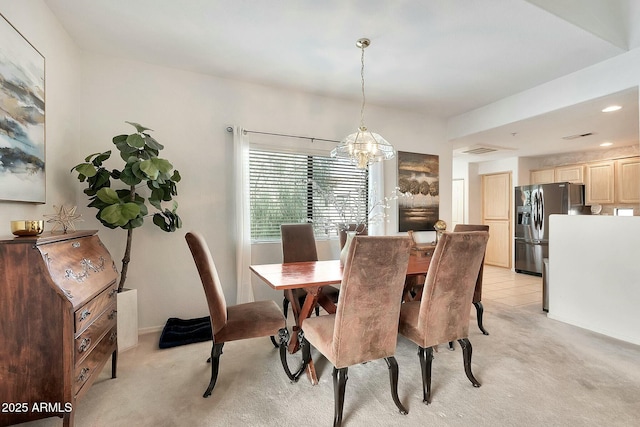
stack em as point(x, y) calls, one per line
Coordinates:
point(314, 296)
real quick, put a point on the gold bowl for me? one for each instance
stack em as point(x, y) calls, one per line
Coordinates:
point(27, 227)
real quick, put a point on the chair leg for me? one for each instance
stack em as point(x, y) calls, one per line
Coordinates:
point(393, 378)
point(480, 312)
point(451, 346)
point(426, 358)
point(285, 306)
point(216, 351)
point(339, 385)
point(466, 355)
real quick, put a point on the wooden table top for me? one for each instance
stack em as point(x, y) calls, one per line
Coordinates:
point(320, 273)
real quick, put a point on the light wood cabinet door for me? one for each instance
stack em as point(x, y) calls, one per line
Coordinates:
point(542, 176)
point(628, 180)
point(599, 182)
point(570, 173)
point(498, 251)
point(496, 213)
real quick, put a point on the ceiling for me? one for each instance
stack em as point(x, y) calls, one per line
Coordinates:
point(440, 58)
point(581, 127)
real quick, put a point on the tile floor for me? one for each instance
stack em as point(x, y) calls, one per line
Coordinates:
point(508, 287)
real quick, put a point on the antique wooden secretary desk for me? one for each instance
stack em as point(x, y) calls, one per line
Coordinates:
point(58, 319)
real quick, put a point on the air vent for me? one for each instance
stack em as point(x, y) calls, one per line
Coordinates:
point(580, 135)
point(479, 150)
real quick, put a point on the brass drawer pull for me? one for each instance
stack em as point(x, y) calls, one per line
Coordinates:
point(85, 313)
point(112, 314)
point(84, 373)
point(84, 345)
point(112, 292)
point(113, 336)
point(75, 245)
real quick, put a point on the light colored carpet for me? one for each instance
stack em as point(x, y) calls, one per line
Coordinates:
point(534, 371)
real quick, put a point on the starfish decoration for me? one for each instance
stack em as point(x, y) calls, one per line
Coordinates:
point(64, 218)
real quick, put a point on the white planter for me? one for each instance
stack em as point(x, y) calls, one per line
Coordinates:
point(127, 319)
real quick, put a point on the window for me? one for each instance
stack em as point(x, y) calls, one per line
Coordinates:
point(294, 188)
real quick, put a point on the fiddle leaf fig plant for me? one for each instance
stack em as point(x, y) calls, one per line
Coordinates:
point(144, 177)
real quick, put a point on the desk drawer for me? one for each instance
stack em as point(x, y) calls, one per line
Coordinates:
point(95, 360)
point(87, 340)
point(86, 314)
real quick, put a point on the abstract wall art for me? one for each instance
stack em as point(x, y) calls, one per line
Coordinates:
point(419, 187)
point(22, 118)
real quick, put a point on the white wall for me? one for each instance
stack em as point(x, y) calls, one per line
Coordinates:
point(593, 276)
point(38, 25)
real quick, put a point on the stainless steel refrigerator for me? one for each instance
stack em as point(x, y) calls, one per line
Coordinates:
point(533, 205)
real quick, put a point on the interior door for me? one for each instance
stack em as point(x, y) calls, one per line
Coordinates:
point(496, 213)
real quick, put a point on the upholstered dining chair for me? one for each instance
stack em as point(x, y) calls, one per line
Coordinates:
point(442, 315)
point(477, 293)
point(365, 324)
point(299, 245)
point(238, 322)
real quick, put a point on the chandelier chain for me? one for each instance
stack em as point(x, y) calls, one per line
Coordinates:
point(362, 80)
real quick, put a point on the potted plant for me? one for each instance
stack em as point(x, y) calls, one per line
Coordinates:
point(121, 195)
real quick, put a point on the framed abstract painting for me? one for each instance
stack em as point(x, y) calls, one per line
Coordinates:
point(22, 114)
point(418, 183)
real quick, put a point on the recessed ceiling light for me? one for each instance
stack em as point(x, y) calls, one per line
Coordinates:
point(606, 144)
point(611, 108)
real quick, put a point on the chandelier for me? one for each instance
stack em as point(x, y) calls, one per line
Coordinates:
point(363, 147)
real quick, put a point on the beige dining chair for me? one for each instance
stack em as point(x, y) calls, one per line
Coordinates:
point(442, 315)
point(477, 292)
point(238, 322)
point(365, 325)
point(299, 245)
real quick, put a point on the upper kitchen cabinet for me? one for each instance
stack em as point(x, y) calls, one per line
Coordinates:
point(570, 173)
point(628, 180)
point(542, 176)
point(599, 182)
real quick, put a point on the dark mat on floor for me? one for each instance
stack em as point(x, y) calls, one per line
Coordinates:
point(180, 332)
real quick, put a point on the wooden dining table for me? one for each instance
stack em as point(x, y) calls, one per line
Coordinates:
point(312, 276)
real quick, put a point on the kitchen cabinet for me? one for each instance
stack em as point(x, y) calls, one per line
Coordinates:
point(628, 180)
point(599, 182)
point(58, 324)
point(542, 176)
point(496, 213)
point(570, 173)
